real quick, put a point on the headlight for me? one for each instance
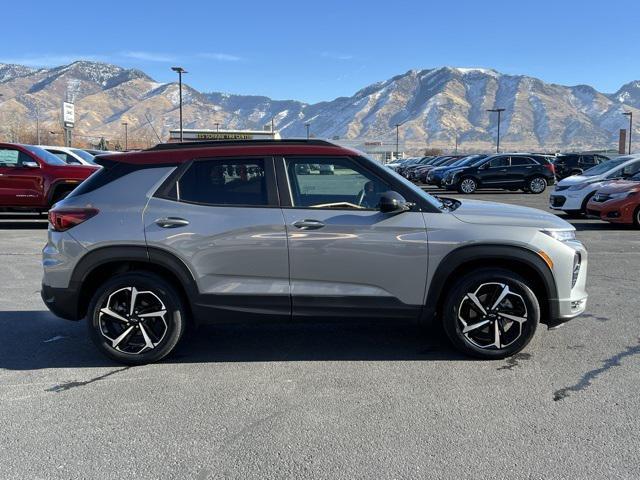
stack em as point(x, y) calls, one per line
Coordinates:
point(620, 195)
point(561, 235)
point(580, 186)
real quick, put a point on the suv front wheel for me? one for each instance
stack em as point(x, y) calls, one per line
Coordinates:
point(491, 314)
point(467, 185)
point(136, 318)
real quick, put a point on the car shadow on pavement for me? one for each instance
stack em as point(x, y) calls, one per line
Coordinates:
point(39, 340)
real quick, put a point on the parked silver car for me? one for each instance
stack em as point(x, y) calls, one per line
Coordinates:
point(217, 232)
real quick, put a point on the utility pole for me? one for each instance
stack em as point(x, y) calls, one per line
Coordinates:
point(308, 125)
point(456, 143)
point(499, 112)
point(630, 115)
point(398, 125)
point(37, 124)
point(126, 136)
point(180, 71)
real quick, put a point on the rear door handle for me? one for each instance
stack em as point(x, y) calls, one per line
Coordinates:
point(171, 222)
point(308, 224)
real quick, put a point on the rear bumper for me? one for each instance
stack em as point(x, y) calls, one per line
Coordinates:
point(62, 302)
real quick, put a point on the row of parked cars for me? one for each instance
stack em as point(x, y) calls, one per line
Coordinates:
point(591, 185)
point(34, 177)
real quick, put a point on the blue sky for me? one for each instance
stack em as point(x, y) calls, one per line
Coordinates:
point(315, 51)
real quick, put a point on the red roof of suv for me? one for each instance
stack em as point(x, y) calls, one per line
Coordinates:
point(172, 153)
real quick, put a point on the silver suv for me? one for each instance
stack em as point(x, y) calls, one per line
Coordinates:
point(216, 232)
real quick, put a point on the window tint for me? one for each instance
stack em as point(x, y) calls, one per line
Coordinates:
point(499, 162)
point(13, 158)
point(587, 160)
point(333, 183)
point(519, 161)
point(631, 170)
point(224, 182)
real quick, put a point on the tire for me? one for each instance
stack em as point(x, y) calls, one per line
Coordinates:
point(150, 338)
point(487, 285)
point(573, 213)
point(467, 185)
point(537, 185)
point(636, 218)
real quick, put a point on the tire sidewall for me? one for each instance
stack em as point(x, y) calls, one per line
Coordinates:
point(142, 281)
point(470, 283)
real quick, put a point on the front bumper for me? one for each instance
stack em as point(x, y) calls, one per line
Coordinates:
point(566, 200)
point(572, 298)
point(614, 211)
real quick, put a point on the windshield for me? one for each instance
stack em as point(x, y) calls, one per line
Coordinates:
point(45, 156)
point(605, 167)
point(82, 154)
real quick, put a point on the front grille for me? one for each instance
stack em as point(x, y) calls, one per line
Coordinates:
point(558, 201)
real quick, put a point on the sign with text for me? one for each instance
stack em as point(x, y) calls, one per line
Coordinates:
point(68, 114)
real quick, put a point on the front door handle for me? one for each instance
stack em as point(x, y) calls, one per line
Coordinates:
point(308, 224)
point(171, 222)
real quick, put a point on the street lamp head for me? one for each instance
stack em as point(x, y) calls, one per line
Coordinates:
point(178, 69)
point(495, 110)
point(628, 114)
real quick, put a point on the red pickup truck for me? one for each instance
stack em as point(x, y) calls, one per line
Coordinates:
point(33, 179)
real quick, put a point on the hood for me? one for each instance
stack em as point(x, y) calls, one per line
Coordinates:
point(616, 186)
point(493, 213)
point(75, 171)
point(577, 179)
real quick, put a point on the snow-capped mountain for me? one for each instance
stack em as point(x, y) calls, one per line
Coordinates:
point(434, 107)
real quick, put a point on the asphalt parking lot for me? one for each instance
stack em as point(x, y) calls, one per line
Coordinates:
point(324, 401)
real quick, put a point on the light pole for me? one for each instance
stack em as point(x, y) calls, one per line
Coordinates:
point(308, 125)
point(180, 71)
point(217, 126)
point(126, 136)
point(630, 115)
point(499, 112)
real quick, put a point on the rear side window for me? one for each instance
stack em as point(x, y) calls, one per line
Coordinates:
point(499, 162)
point(520, 161)
point(224, 182)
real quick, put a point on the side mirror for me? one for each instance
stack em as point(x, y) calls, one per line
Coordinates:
point(30, 164)
point(393, 202)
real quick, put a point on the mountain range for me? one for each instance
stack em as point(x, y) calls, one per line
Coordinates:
point(434, 107)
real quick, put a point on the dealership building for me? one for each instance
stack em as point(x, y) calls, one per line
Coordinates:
point(194, 135)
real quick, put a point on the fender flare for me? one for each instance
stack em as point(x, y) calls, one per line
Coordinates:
point(153, 256)
point(488, 252)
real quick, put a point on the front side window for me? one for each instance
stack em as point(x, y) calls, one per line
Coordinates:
point(224, 182)
point(333, 183)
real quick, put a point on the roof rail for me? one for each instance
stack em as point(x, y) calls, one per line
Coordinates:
point(228, 143)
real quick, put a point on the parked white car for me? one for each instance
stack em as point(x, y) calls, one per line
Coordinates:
point(572, 194)
point(69, 155)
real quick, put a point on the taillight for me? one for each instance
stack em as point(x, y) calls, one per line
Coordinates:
point(63, 219)
point(551, 167)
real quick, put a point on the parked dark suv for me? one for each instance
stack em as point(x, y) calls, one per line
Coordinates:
point(33, 179)
point(575, 163)
point(511, 171)
point(218, 232)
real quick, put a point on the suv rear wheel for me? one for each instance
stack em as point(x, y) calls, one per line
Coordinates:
point(537, 184)
point(491, 314)
point(136, 318)
point(467, 185)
